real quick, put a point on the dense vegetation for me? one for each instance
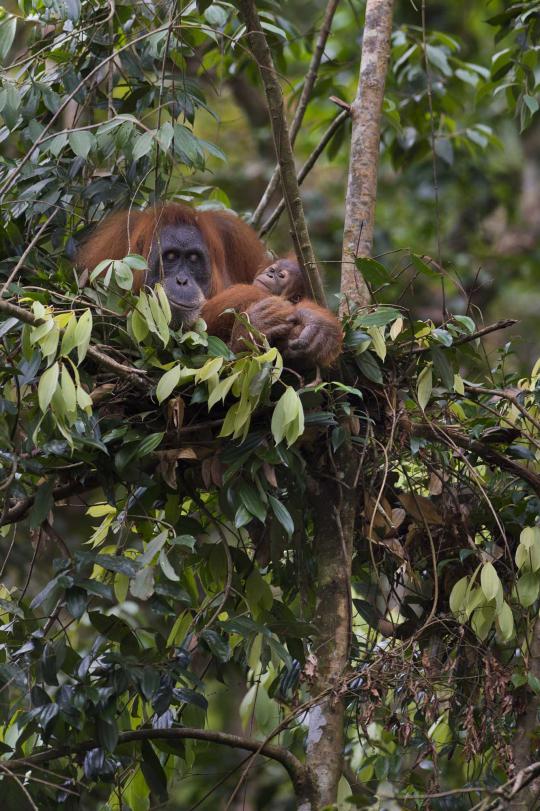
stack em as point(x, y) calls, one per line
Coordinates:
point(166, 503)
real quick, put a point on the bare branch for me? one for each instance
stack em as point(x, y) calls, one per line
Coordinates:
point(364, 160)
point(282, 143)
point(306, 168)
point(309, 82)
point(21, 507)
point(484, 451)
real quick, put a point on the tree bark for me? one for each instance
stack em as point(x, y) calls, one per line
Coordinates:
point(366, 112)
point(309, 83)
point(527, 725)
point(334, 510)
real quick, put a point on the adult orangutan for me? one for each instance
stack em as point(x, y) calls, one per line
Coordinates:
point(207, 262)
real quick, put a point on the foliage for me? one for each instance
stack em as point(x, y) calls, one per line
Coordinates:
point(159, 582)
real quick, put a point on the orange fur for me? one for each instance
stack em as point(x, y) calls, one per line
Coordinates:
point(237, 256)
point(235, 250)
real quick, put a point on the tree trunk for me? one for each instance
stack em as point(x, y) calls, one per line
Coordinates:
point(366, 112)
point(334, 511)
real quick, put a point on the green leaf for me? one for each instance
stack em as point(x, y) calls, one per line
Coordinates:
point(47, 386)
point(107, 734)
point(8, 28)
point(505, 622)
point(489, 580)
point(458, 595)
point(136, 262)
point(217, 348)
point(83, 332)
point(153, 772)
point(143, 145)
point(43, 503)
point(69, 340)
point(218, 646)
point(167, 383)
point(442, 336)
point(369, 366)
point(252, 501)
point(379, 318)
point(68, 391)
point(287, 413)
point(466, 322)
point(375, 273)
point(424, 386)
point(117, 563)
point(81, 142)
point(482, 620)
point(123, 275)
point(527, 588)
point(423, 267)
point(149, 444)
point(166, 568)
point(282, 514)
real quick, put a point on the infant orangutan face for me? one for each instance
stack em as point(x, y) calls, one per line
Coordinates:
point(282, 278)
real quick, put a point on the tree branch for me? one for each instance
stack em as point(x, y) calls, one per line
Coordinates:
point(296, 770)
point(465, 339)
point(366, 112)
point(488, 454)
point(19, 510)
point(309, 82)
point(135, 376)
point(306, 168)
point(282, 143)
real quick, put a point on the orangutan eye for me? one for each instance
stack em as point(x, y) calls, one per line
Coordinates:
point(170, 256)
point(281, 274)
point(193, 257)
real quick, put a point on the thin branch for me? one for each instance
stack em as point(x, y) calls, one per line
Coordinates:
point(21, 507)
point(487, 453)
point(465, 339)
point(296, 770)
point(506, 395)
point(282, 143)
point(366, 112)
point(309, 82)
point(306, 168)
point(135, 376)
point(11, 177)
point(35, 239)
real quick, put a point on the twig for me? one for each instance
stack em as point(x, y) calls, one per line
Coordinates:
point(491, 456)
point(364, 157)
point(506, 395)
point(465, 339)
point(135, 376)
point(10, 179)
point(282, 143)
point(35, 239)
point(309, 82)
point(21, 507)
point(306, 168)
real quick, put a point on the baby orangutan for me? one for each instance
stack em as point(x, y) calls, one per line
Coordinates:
point(284, 279)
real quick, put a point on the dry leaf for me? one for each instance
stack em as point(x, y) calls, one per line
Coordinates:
point(270, 474)
point(421, 508)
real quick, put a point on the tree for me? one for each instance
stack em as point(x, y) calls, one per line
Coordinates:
point(337, 577)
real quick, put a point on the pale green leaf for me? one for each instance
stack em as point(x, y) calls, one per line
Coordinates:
point(47, 386)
